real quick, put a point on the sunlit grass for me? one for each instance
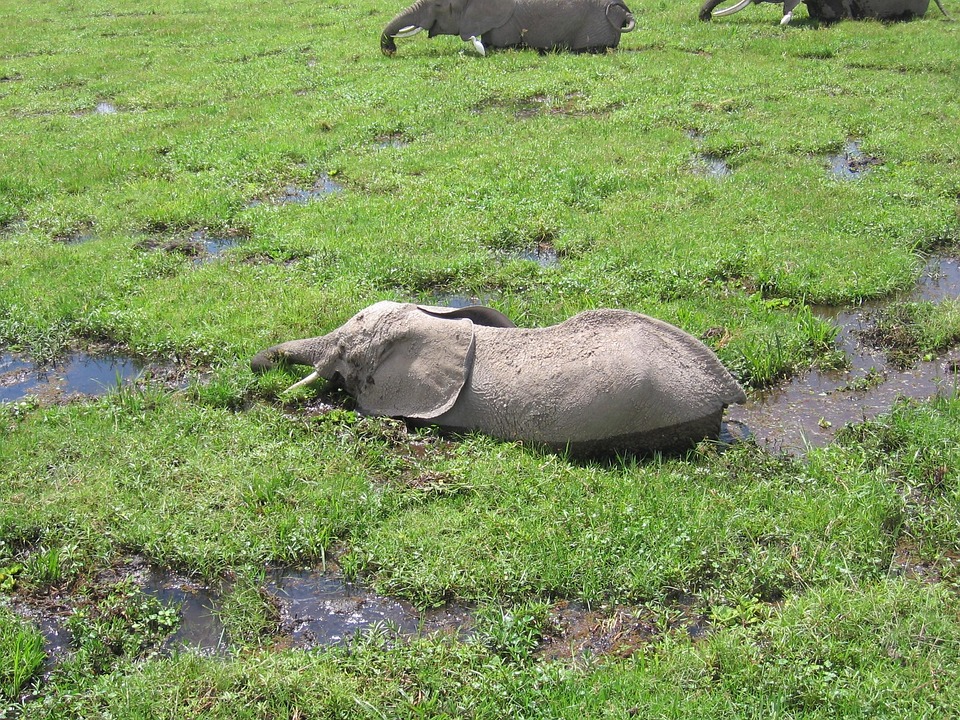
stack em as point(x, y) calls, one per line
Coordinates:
point(125, 129)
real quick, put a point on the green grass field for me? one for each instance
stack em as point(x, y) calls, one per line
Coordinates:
point(128, 131)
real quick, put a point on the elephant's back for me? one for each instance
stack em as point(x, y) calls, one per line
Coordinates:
point(657, 347)
point(600, 374)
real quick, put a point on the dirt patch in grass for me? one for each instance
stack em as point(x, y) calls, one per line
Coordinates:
point(906, 562)
point(80, 233)
point(620, 631)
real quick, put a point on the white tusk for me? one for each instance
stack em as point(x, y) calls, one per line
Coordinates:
point(478, 45)
point(408, 31)
point(787, 17)
point(312, 377)
point(629, 26)
point(732, 9)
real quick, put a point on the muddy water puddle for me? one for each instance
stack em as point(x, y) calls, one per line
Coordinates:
point(78, 374)
point(706, 164)
point(323, 186)
point(851, 163)
point(321, 609)
point(200, 626)
point(808, 410)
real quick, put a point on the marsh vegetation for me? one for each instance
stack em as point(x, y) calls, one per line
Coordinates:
point(184, 184)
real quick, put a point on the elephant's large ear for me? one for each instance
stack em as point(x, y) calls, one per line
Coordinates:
point(478, 314)
point(420, 369)
point(481, 16)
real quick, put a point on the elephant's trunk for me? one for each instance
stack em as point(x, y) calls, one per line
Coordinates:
point(409, 22)
point(295, 352)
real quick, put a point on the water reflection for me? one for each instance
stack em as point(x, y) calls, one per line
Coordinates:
point(852, 163)
point(320, 608)
point(79, 373)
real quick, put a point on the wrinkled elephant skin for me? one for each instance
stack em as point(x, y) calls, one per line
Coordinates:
point(602, 382)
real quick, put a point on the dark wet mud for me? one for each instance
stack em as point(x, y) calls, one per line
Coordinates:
point(580, 632)
point(808, 410)
point(78, 374)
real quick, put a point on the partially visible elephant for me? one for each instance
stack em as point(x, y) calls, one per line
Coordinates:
point(830, 10)
point(602, 382)
point(578, 25)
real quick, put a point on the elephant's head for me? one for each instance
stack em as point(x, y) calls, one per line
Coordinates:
point(466, 18)
point(395, 359)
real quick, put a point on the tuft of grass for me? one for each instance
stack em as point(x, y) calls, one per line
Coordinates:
point(21, 647)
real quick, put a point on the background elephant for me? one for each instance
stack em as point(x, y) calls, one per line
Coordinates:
point(579, 25)
point(604, 381)
point(829, 10)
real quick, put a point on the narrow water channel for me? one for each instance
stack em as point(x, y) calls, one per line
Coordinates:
point(809, 409)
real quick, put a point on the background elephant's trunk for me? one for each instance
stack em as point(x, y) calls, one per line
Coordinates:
point(407, 23)
point(706, 11)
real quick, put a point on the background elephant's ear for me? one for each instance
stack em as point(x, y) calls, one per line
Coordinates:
point(478, 314)
point(420, 369)
point(481, 16)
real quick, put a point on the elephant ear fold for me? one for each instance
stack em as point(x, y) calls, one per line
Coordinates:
point(480, 17)
point(421, 368)
point(478, 314)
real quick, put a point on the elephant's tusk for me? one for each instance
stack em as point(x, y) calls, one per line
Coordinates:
point(312, 377)
point(408, 31)
point(732, 9)
point(478, 46)
point(787, 17)
point(631, 24)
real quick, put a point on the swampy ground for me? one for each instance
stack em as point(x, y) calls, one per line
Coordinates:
point(184, 183)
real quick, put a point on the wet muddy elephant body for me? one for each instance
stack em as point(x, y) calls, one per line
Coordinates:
point(577, 25)
point(831, 10)
point(603, 382)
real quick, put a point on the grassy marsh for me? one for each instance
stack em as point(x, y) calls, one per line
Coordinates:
point(827, 583)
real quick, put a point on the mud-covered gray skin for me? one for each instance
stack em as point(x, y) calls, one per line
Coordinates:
point(602, 382)
point(576, 25)
point(831, 10)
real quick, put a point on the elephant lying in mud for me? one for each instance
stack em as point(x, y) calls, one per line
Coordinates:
point(828, 10)
point(577, 25)
point(602, 382)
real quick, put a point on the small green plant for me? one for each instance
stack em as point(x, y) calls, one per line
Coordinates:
point(8, 576)
point(747, 610)
point(124, 623)
point(21, 654)
point(514, 632)
point(45, 566)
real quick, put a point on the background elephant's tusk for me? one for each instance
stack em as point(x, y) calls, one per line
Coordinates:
point(408, 31)
point(787, 17)
point(630, 25)
point(732, 9)
point(478, 45)
point(312, 377)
